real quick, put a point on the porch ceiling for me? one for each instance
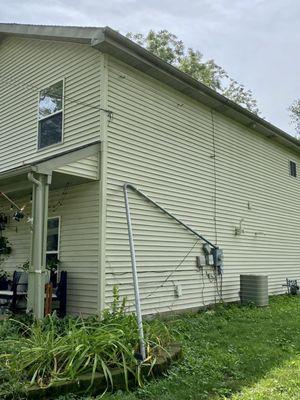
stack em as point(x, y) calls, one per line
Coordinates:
point(20, 184)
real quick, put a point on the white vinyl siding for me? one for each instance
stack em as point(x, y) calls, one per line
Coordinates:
point(87, 168)
point(162, 142)
point(26, 66)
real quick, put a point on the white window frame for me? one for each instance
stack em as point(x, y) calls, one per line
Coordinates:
point(289, 165)
point(58, 239)
point(56, 112)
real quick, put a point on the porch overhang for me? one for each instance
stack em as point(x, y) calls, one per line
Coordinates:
point(37, 177)
point(75, 166)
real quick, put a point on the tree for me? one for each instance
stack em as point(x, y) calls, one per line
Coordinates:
point(168, 47)
point(294, 110)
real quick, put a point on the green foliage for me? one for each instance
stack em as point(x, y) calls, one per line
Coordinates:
point(5, 248)
point(51, 265)
point(233, 352)
point(243, 353)
point(294, 111)
point(4, 275)
point(163, 44)
point(25, 266)
point(169, 48)
point(53, 349)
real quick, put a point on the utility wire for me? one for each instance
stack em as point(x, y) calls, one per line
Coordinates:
point(215, 174)
point(214, 157)
point(60, 201)
point(140, 272)
point(173, 272)
point(10, 81)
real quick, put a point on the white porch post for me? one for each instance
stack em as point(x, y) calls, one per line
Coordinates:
point(37, 269)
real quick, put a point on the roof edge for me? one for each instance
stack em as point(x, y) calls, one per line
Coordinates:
point(110, 41)
point(52, 32)
point(128, 51)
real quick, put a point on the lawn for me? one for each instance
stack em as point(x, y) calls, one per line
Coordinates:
point(242, 353)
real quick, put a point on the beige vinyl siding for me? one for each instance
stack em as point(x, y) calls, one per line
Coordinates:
point(28, 65)
point(86, 168)
point(79, 239)
point(163, 142)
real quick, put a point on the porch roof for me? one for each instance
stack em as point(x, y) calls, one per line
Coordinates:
point(15, 180)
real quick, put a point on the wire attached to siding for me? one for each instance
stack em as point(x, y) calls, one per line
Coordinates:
point(35, 89)
point(174, 270)
point(61, 200)
point(219, 289)
point(215, 176)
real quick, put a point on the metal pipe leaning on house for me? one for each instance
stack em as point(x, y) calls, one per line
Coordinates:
point(19, 214)
point(135, 276)
point(132, 187)
point(11, 201)
point(216, 252)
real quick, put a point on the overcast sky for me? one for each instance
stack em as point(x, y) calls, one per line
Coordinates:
point(256, 41)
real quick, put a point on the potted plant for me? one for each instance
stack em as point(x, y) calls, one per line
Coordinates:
point(25, 266)
point(52, 266)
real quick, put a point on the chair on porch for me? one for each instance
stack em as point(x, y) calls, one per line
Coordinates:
point(18, 291)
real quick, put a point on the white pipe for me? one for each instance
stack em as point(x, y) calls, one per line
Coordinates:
point(129, 185)
point(135, 276)
point(32, 179)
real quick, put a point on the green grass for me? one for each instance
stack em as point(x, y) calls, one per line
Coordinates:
point(239, 353)
point(281, 383)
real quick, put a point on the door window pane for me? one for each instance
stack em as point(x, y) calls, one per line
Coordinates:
point(53, 234)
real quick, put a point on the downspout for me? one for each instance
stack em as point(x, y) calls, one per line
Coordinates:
point(32, 179)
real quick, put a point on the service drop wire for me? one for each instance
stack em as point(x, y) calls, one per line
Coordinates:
point(32, 88)
point(174, 270)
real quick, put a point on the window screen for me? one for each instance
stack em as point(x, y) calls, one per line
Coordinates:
point(53, 236)
point(50, 115)
point(293, 169)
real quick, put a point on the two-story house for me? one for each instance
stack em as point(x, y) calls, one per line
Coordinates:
point(85, 110)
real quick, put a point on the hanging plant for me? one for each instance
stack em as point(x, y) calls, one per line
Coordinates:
point(4, 243)
point(25, 266)
point(52, 265)
point(5, 247)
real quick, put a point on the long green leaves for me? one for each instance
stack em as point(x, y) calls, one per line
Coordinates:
point(54, 350)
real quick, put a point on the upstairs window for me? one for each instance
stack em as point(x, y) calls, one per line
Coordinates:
point(50, 115)
point(293, 169)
